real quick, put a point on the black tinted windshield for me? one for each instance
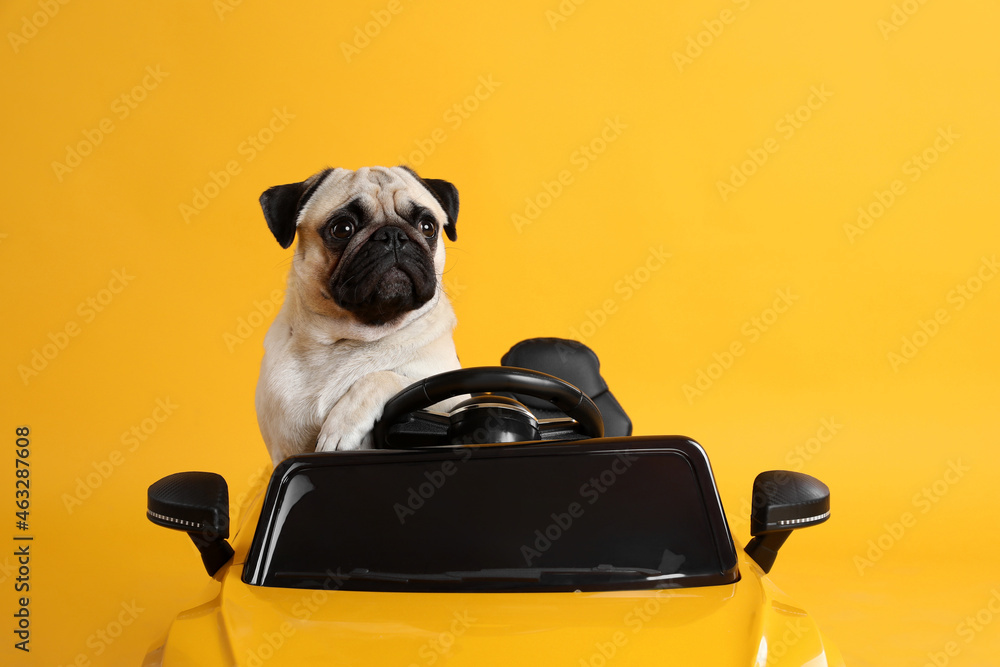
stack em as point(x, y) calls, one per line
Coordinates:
point(599, 515)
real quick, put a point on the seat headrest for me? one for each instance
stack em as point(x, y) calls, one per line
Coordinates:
point(567, 359)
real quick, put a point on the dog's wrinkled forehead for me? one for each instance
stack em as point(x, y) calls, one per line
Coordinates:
point(380, 191)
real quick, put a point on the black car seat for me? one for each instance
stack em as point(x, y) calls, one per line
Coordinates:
point(577, 364)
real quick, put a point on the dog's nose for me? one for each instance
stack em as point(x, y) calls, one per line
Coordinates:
point(393, 237)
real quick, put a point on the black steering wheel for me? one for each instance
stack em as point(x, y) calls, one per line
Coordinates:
point(434, 428)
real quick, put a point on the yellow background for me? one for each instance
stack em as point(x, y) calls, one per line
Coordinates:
point(186, 328)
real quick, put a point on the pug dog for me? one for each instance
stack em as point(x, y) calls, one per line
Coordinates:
point(364, 314)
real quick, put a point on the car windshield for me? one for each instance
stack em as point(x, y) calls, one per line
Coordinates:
point(591, 516)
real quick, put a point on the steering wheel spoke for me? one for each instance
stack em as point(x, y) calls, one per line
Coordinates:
point(432, 416)
point(556, 428)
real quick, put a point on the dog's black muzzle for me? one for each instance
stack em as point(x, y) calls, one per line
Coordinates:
point(388, 276)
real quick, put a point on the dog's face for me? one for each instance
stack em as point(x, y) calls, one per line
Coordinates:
point(370, 241)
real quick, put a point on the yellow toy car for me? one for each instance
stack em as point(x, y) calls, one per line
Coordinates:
point(494, 535)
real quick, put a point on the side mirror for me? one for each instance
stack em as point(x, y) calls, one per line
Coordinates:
point(783, 501)
point(198, 504)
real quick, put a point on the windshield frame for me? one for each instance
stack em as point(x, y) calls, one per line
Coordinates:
point(255, 571)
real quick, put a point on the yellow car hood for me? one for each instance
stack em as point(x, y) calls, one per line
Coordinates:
point(746, 623)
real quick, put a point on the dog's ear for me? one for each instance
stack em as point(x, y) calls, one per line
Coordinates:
point(283, 203)
point(447, 196)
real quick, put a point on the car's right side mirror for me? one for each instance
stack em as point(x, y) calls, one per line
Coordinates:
point(198, 504)
point(783, 501)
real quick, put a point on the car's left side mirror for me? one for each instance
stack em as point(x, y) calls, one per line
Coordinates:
point(198, 504)
point(782, 502)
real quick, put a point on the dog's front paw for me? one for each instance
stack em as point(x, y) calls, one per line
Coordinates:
point(350, 422)
point(341, 436)
point(349, 425)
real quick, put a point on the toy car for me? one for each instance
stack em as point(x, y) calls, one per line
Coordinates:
point(496, 534)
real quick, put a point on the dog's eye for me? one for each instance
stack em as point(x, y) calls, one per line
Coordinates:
point(428, 229)
point(342, 230)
